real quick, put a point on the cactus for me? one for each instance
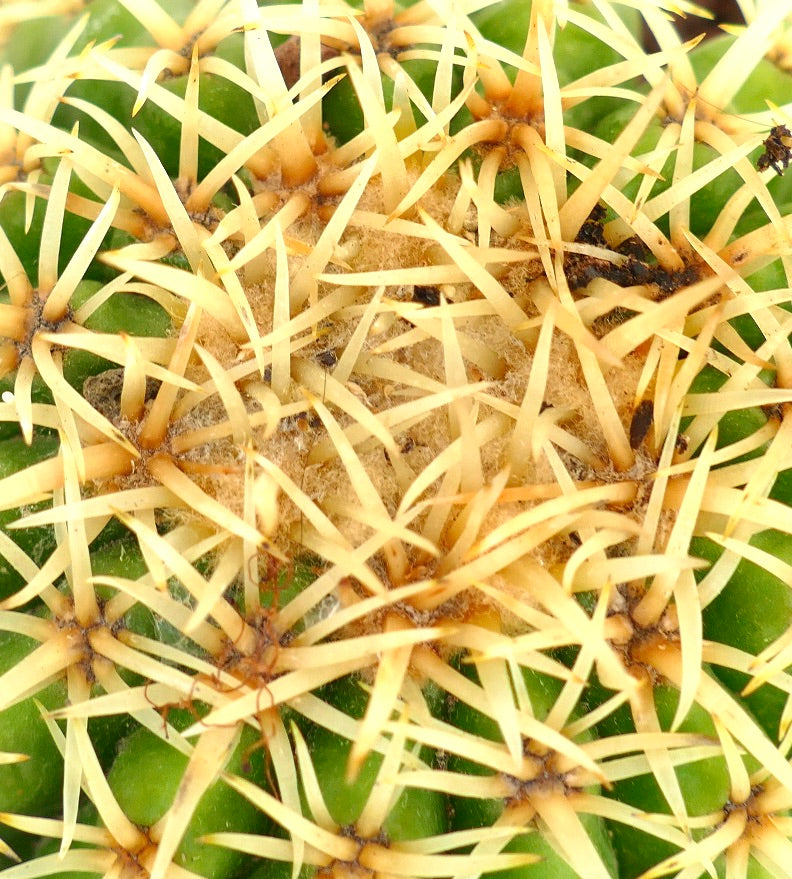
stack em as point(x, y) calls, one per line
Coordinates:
point(393, 433)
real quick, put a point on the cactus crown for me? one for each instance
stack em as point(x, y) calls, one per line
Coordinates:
point(394, 413)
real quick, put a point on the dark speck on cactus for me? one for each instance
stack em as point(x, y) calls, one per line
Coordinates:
point(777, 152)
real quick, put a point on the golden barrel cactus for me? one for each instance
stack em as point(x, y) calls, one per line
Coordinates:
point(394, 429)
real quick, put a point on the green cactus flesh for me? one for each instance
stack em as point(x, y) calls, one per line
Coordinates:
point(394, 429)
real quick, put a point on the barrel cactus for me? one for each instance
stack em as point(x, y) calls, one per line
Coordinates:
point(395, 412)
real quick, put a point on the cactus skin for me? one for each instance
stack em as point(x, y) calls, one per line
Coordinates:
point(393, 442)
